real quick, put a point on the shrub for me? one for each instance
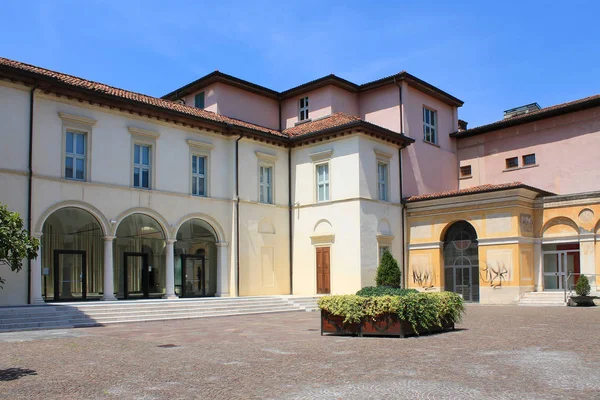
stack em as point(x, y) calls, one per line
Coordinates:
point(419, 309)
point(371, 291)
point(388, 272)
point(583, 286)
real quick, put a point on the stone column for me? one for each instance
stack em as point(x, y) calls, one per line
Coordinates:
point(109, 281)
point(36, 275)
point(538, 268)
point(170, 273)
point(222, 269)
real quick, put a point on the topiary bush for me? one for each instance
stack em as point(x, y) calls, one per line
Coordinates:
point(582, 288)
point(388, 272)
point(370, 291)
point(424, 310)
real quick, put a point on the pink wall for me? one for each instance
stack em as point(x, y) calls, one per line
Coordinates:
point(428, 168)
point(232, 102)
point(381, 107)
point(319, 105)
point(344, 101)
point(565, 147)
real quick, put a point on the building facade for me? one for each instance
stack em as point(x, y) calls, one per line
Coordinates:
point(227, 188)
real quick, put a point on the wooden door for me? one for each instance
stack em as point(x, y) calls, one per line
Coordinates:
point(323, 275)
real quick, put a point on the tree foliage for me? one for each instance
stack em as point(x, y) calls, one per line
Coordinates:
point(16, 243)
point(582, 288)
point(388, 273)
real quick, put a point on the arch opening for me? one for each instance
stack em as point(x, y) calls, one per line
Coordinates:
point(139, 258)
point(72, 256)
point(461, 261)
point(196, 259)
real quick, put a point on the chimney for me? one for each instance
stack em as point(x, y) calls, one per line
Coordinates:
point(526, 109)
point(462, 125)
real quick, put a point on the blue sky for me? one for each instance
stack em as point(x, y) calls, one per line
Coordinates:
point(492, 55)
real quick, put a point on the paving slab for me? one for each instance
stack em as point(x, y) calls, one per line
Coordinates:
point(497, 352)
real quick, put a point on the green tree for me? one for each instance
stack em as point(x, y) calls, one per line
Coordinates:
point(388, 273)
point(15, 242)
point(582, 288)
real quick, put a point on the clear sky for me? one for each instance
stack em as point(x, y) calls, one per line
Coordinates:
point(493, 55)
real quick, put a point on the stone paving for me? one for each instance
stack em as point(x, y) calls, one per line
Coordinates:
point(500, 352)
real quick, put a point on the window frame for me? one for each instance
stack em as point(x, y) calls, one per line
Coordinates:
point(506, 162)
point(463, 175)
point(197, 175)
point(200, 149)
point(327, 182)
point(144, 137)
point(141, 166)
point(304, 109)
point(78, 125)
point(525, 164)
point(385, 182)
point(265, 160)
point(203, 100)
point(264, 166)
point(430, 126)
point(74, 155)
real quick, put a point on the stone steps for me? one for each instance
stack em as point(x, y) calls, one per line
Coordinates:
point(543, 299)
point(69, 315)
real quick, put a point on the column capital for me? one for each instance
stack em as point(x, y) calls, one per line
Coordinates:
point(37, 235)
point(222, 244)
point(109, 238)
point(170, 241)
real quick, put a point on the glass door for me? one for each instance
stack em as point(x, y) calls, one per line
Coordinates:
point(193, 275)
point(136, 273)
point(557, 267)
point(70, 275)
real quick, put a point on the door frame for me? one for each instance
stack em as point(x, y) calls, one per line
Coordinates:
point(317, 269)
point(184, 258)
point(145, 273)
point(562, 251)
point(57, 253)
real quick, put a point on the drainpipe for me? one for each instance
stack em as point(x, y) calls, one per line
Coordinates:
point(237, 216)
point(402, 205)
point(30, 188)
point(291, 219)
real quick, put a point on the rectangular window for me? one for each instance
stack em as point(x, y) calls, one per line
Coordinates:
point(198, 175)
point(512, 162)
point(529, 159)
point(429, 126)
point(199, 100)
point(322, 182)
point(141, 166)
point(303, 109)
point(266, 184)
point(382, 181)
point(75, 156)
point(465, 171)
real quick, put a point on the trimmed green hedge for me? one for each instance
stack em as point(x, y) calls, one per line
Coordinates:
point(370, 291)
point(419, 309)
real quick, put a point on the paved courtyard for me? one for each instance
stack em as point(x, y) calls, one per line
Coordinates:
point(498, 352)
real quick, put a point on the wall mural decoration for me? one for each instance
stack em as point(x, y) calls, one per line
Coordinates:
point(495, 274)
point(423, 276)
point(526, 221)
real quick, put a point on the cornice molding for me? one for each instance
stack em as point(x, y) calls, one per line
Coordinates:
point(200, 145)
point(77, 119)
point(321, 155)
point(143, 132)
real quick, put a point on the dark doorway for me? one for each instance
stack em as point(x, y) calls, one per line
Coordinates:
point(461, 261)
point(323, 271)
point(70, 275)
point(193, 275)
point(136, 275)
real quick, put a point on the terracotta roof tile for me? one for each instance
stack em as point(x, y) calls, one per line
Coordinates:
point(471, 190)
point(531, 116)
point(133, 96)
point(331, 121)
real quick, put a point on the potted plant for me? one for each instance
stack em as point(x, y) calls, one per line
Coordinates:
point(582, 289)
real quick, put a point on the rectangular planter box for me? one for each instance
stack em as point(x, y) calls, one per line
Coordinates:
point(383, 325)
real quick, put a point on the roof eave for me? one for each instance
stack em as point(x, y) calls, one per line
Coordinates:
point(540, 192)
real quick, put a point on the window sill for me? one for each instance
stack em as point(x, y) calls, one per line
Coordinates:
point(519, 168)
point(304, 121)
point(466, 177)
point(431, 144)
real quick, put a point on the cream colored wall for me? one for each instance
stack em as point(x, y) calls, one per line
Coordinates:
point(14, 139)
